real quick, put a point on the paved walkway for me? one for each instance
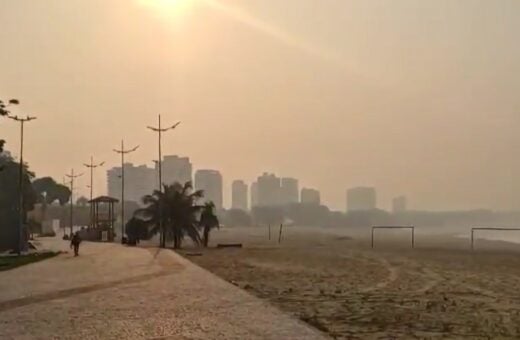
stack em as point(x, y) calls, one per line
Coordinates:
point(116, 292)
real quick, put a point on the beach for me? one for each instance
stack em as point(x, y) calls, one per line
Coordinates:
point(333, 280)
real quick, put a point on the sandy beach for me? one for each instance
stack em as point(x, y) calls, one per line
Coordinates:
point(333, 280)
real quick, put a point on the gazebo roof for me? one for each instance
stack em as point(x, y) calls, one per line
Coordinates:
point(104, 199)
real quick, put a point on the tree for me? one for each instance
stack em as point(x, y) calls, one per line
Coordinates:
point(49, 191)
point(9, 200)
point(4, 107)
point(208, 221)
point(136, 229)
point(176, 208)
point(82, 201)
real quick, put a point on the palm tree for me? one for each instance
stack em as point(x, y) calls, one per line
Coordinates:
point(208, 221)
point(137, 230)
point(176, 207)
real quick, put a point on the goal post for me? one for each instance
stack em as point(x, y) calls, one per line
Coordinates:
point(474, 229)
point(411, 228)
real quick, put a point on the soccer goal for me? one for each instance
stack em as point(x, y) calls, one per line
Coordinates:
point(473, 230)
point(411, 228)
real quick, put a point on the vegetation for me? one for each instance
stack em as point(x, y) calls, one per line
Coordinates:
point(175, 210)
point(82, 201)
point(136, 229)
point(10, 262)
point(4, 108)
point(9, 199)
point(49, 191)
point(208, 221)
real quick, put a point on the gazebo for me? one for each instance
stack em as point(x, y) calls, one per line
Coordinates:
point(103, 219)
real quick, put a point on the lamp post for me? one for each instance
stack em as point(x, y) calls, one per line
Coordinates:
point(123, 152)
point(160, 130)
point(72, 176)
point(92, 166)
point(21, 210)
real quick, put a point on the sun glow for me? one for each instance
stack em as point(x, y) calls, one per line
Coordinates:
point(168, 7)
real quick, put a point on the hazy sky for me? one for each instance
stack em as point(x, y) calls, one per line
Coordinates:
point(420, 98)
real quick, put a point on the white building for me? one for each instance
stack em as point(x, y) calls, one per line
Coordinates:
point(175, 169)
point(210, 181)
point(289, 192)
point(139, 181)
point(254, 194)
point(239, 195)
point(268, 190)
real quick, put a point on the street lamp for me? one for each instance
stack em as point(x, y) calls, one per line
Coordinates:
point(22, 121)
point(160, 130)
point(92, 166)
point(72, 176)
point(123, 152)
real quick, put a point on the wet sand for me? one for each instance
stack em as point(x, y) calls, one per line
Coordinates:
point(333, 280)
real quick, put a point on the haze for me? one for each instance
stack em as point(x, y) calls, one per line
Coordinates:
point(413, 97)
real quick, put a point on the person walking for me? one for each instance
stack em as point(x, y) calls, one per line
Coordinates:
point(74, 243)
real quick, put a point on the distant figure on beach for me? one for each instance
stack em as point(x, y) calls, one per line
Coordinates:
point(74, 242)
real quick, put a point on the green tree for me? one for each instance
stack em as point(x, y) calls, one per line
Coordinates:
point(4, 108)
point(49, 191)
point(208, 221)
point(4, 111)
point(176, 207)
point(9, 200)
point(82, 201)
point(136, 229)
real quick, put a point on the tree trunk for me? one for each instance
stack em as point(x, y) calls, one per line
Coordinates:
point(205, 239)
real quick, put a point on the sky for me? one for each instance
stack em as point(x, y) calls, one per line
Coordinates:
point(415, 98)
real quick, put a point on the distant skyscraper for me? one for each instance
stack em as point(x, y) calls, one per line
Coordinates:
point(139, 181)
point(176, 169)
point(210, 181)
point(239, 195)
point(268, 190)
point(254, 195)
point(310, 196)
point(289, 191)
point(399, 204)
point(361, 198)
point(114, 182)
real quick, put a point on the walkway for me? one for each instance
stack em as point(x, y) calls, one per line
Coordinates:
point(116, 292)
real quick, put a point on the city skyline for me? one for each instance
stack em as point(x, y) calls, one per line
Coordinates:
point(430, 113)
point(271, 190)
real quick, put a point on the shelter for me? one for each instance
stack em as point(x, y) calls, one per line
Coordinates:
point(103, 220)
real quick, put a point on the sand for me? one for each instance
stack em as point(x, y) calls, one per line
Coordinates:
point(333, 280)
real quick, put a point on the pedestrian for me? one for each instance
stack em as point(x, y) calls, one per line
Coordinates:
point(74, 243)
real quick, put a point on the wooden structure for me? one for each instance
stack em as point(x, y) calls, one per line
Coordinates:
point(103, 220)
point(412, 228)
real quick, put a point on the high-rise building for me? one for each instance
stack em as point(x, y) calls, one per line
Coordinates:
point(254, 195)
point(361, 198)
point(268, 190)
point(289, 191)
point(399, 204)
point(176, 169)
point(310, 196)
point(239, 195)
point(139, 181)
point(210, 181)
point(114, 182)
